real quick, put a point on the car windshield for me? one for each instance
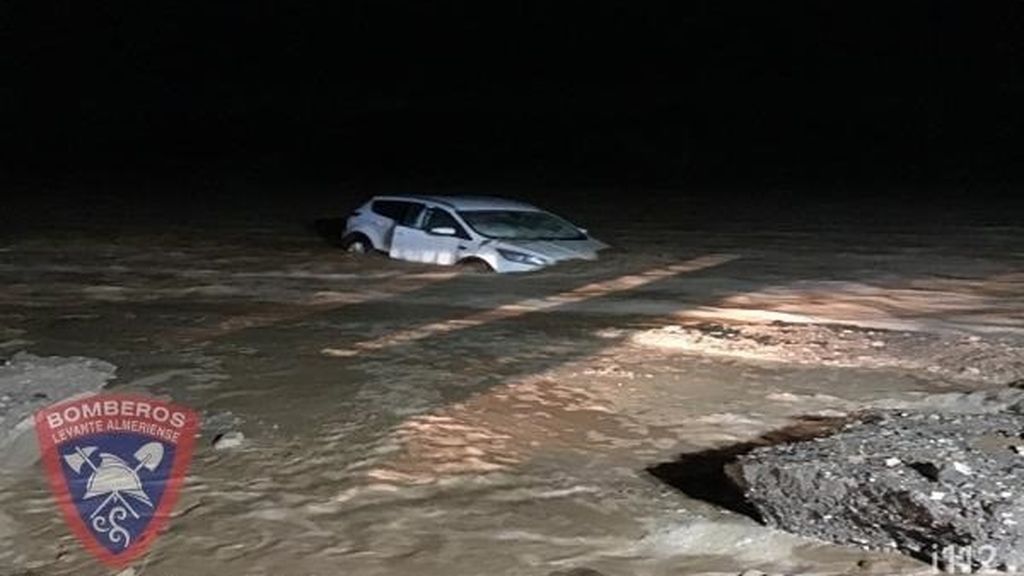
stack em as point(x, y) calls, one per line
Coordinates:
point(520, 225)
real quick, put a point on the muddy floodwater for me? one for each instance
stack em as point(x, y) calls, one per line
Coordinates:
point(405, 419)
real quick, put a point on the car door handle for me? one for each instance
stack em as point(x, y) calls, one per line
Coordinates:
point(461, 247)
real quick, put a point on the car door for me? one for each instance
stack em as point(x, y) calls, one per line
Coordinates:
point(384, 215)
point(435, 237)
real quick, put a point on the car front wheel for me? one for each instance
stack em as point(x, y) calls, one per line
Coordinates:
point(475, 266)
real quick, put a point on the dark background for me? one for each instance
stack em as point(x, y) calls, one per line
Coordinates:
point(822, 96)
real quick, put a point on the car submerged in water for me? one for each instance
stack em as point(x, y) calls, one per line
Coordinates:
point(481, 233)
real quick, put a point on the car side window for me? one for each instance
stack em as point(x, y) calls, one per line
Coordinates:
point(388, 209)
point(404, 213)
point(411, 216)
point(440, 218)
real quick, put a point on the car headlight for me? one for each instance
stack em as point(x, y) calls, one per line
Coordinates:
point(522, 257)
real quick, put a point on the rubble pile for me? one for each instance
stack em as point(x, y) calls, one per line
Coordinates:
point(919, 482)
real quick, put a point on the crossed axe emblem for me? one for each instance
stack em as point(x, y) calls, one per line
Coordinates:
point(114, 479)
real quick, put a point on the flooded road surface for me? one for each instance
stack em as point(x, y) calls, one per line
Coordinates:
point(401, 419)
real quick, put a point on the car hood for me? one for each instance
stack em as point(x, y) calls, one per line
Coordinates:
point(558, 250)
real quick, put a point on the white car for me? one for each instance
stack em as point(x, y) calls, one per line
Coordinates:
point(478, 232)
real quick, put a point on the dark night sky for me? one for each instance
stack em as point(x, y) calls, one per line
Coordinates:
point(573, 92)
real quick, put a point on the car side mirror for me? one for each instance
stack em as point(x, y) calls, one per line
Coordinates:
point(443, 231)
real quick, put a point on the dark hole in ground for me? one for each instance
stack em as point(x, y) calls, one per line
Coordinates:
point(705, 476)
point(926, 469)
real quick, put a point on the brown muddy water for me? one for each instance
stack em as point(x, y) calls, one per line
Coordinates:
point(401, 419)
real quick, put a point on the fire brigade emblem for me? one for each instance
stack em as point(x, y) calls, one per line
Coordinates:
point(115, 464)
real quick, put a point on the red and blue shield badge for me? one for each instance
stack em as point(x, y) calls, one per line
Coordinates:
point(115, 464)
